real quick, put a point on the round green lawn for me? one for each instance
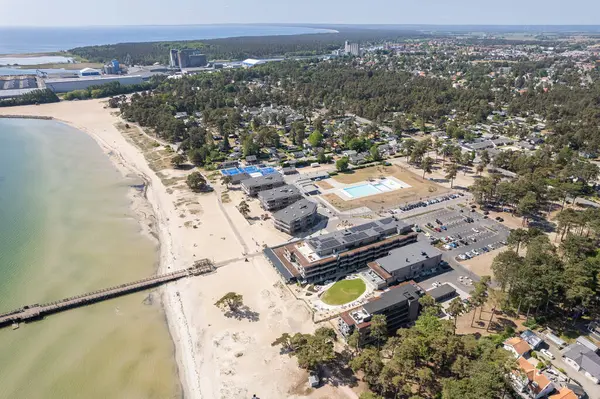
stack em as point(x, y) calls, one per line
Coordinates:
point(344, 291)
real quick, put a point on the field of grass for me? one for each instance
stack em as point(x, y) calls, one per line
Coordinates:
point(344, 291)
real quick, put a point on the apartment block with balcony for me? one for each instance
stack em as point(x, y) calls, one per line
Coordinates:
point(399, 305)
point(279, 197)
point(337, 254)
point(297, 217)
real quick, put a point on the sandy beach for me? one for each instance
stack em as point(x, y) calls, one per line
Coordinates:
point(218, 357)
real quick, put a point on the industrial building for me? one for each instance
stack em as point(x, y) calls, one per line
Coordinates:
point(297, 217)
point(186, 58)
point(279, 197)
point(114, 68)
point(250, 62)
point(399, 305)
point(255, 185)
point(85, 81)
point(407, 263)
point(336, 254)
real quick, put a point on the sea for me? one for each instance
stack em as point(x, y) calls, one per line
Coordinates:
point(66, 227)
point(22, 40)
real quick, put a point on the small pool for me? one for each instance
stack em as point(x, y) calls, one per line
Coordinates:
point(361, 191)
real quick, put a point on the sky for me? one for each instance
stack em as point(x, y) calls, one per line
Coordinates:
point(179, 12)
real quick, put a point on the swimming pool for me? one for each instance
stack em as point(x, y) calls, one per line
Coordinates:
point(382, 186)
point(362, 191)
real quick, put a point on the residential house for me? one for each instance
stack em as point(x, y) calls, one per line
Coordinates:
point(517, 346)
point(565, 393)
point(349, 153)
point(533, 340)
point(529, 381)
point(583, 359)
point(358, 159)
point(251, 159)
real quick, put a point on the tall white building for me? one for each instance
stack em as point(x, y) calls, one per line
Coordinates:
point(352, 48)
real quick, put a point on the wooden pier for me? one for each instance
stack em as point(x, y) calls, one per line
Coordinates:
point(38, 311)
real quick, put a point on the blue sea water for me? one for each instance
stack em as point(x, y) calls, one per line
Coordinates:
point(19, 40)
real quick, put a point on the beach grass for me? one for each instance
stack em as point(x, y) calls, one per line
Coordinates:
point(344, 291)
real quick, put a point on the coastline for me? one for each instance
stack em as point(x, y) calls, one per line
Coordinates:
point(217, 356)
point(151, 212)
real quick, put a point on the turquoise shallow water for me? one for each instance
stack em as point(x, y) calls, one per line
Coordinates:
point(66, 228)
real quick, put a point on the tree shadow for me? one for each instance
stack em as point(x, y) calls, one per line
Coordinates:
point(501, 324)
point(186, 166)
point(338, 371)
point(242, 313)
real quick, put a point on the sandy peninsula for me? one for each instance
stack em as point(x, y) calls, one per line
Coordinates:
point(218, 357)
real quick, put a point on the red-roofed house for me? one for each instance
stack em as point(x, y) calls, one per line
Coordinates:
point(517, 346)
point(530, 381)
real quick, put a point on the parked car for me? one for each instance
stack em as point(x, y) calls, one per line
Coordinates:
point(486, 213)
point(547, 354)
point(473, 206)
point(444, 228)
point(475, 230)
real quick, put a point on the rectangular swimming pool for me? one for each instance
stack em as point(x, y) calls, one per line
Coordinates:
point(361, 191)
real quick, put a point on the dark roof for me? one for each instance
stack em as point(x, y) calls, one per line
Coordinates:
point(407, 256)
point(395, 296)
point(237, 178)
point(442, 292)
point(278, 265)
point(287, 191)
point(586, 358)
point(297, 210)
point(263, 180)
point(341, 240)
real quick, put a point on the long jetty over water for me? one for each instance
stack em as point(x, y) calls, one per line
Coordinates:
point(38, 311)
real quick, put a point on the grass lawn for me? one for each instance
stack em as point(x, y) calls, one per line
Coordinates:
point(344, 291)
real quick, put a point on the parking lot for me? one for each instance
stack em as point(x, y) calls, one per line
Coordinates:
point(463, 234)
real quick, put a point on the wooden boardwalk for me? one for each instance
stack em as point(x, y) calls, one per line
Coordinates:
point(38, 311)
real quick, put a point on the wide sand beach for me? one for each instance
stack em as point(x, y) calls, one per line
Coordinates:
point(218, 357)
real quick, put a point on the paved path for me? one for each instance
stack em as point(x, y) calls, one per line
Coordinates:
point(231, 224)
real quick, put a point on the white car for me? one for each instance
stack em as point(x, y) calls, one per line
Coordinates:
point(547, 354)
point(475, 230)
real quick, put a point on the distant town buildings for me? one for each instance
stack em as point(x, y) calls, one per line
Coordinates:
point(352, 49)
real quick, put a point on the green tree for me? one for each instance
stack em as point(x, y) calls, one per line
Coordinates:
point(378, 330)
point(244, 209)
point(455, 309)
point(321, 157)
point(177, 161)
point(226, 180)
point(427, 166)
point(375, 155)
point(451, 172)
point(196, 181)
point(315, 139)
point(342, 164)
point(230, 301)
point(354, 341)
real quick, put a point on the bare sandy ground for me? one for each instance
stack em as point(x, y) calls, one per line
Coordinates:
point(218, 357)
